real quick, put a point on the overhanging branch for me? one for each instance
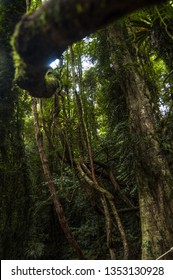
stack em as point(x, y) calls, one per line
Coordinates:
point(42, 36)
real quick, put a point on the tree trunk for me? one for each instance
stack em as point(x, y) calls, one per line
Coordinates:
point(155, 183)
point(14, 181)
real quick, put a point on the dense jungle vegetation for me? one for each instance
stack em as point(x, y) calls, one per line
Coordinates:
point(88, 172)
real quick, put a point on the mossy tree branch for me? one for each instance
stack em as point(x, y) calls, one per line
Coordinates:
point(42, 36)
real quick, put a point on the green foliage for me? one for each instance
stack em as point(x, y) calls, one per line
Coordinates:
point(34, 5)
point(87, 117)
point(34, 251)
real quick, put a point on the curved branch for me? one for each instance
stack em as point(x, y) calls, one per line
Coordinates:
point(44, 35)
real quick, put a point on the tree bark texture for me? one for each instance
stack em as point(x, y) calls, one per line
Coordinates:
point(155, 183)
point(44, 35)
point(12, 206)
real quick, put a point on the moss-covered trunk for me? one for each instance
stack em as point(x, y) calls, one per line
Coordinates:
point(155, 183)
point(153, 175)
point(14, 181)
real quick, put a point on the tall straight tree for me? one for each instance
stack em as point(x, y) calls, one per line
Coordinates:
point(155, 183)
